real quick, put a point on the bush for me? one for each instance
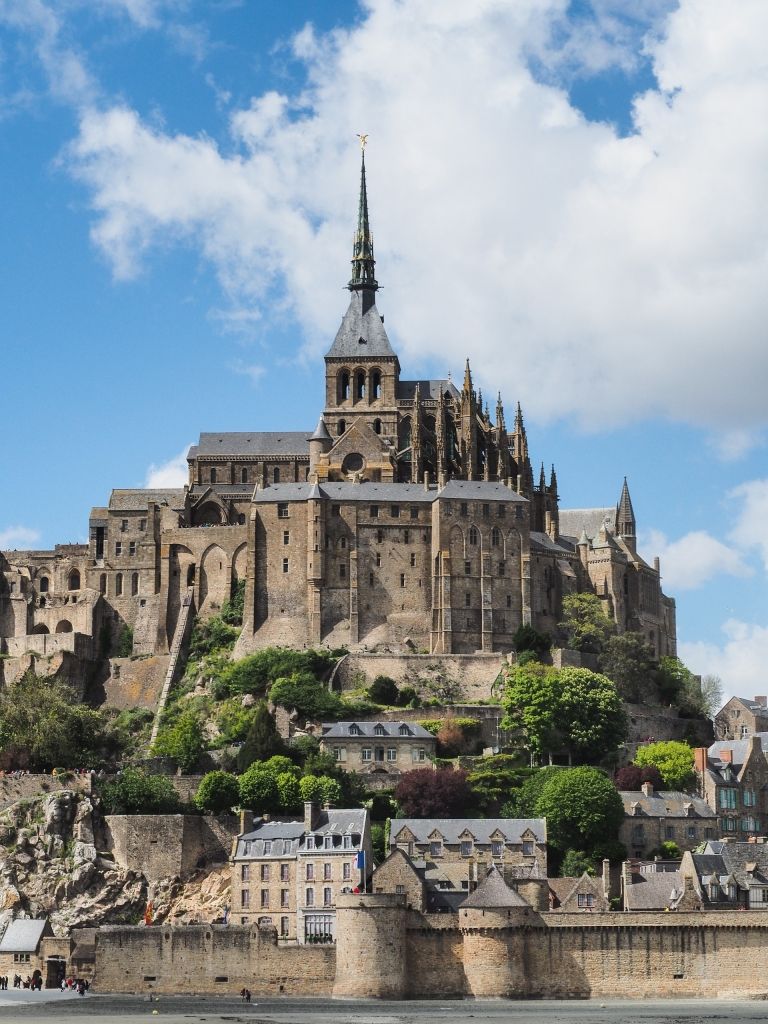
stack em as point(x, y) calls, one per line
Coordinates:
point(632, 776)
point(210, 635)
point(383, 690)
point(182, 741)
point(258, 790)
point(408, 698)
point(124, 645)
point(673, 759)
point(234, 721)
point(575, 863)
point(218, 791)
point(321, 789)
point(257, 672)
point(262, 740)
point(528, 639)
point(424, 793)
point(134, 791)
point(310, 698)
point(232, 608)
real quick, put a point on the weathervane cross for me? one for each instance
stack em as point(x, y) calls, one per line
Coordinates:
point(363, 140)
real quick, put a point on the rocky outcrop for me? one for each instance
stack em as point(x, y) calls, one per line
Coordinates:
point(52, 864)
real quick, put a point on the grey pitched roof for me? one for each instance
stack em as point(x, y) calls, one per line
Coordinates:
point(365, 730)
point(493, 891)
point(431, 389)
point(545, 542)
point(739, 748)
point(23, 935)
point(734, 860)
point(481, 828)
point(750, 705)
point(573, 520)
point(289, 838)
point(137, 499)
point(223, 490)
point(665, 804)
point(481, 490)
point(258, 442)
point(361, 334)
point(340, 822)
point(654, 890)
point(465, 490)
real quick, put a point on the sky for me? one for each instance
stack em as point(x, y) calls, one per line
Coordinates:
point(569, 193)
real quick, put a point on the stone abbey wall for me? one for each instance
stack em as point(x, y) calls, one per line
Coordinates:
point(164, 845)
point(468, 676)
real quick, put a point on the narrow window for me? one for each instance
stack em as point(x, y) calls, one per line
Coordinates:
point(343, 385)
point(402, 579)
point(134, 584)
point(374, 511)
point(118, 548)
point(213, 476)
point(276, 475)
point(282, 510)
point(132, 548)
point(265, 872)
point(486, 511)
point(467, 568)
point(359, 385)
point(502, 568)
point(414, 511)
point(467, 599)
point(377, 426)
point(103, 583)
point(244, 475)
point(502, 511)
point(342, 572)
point(473, 535)
point(395, 510)
point(378, 560)
point(406, 536)
point(285, 565)
point(341, 427)
point(464, 508)
point(380, 536)
point(285, 872)
point(370, 579)
point(43, 585)
point(413, 559)
point(310, 897)
point(119, 585)
point(376, 386)
point(509, 600)
point(495, 537)
point(286, 537)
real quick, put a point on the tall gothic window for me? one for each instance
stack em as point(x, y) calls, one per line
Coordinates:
point(376, 384)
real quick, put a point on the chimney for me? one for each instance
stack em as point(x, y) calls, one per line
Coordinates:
point(762, 701)
point(246, 821)
point(647, 788)
point(700, 759)
point(607, 878)
point(311, 814)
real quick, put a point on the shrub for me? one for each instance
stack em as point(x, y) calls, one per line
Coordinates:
point(183, 741)
point(673, 759)
point(258, 790)
point(211, 635)
point(218, 791)
point(262, 740)
point(383, 690)
point(408, 698)
point(632, 776)
point(232, 608)
point(424, 793)
point(134, 791)
point(124, 645)
point(575, 863)
point(526, 638)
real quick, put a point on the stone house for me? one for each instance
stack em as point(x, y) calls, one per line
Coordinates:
point(29, 945)
point(287, 874)
point(382, 748)
point(652, 818)
point(652, 885)
point(579, 895)
point(729, 875)
point(733, 779)
point(741, 717)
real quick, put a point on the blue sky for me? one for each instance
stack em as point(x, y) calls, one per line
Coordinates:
point(571, 196)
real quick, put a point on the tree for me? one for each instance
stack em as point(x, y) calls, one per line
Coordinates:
point(494, 781)
point(182, 741)
point(306, 695)
point(711, 695)
point(575, 863)
point(263, 739)
point(288, 792)
point(673, 759)
point(582, 808)
point(627, 660)
point(44, 725)
point(321, 789)
point(585, 624)
point(526, 638)
point(259, 791)
point(668, 850)
point(218, 792)
point(379, 843)
point(384, 690)
point(424, 793)
point(632, 776)
point(124, 646)
point(451, 740)
point(232, 608)
point(522, 803)
point(134, 791)
point(570, 710)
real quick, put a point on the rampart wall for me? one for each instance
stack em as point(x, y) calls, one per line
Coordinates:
point(25, 787)
point(167, 845)
point(456, 677)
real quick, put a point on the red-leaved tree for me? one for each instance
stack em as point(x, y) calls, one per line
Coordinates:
point(424, 793)
point(632, 776)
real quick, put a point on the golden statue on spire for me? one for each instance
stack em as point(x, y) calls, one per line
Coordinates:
point(363, 140)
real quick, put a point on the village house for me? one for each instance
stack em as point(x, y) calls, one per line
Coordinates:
point(729, 875)
point(733, 779)
point(652, 885)
point(383, 748)
point(652, 818)
point(289, 873)
point(741, 717)
point(28, 945)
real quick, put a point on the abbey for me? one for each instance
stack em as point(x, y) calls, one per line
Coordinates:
point(408, 519)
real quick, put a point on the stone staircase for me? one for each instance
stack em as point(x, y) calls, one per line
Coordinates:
point(176, 659)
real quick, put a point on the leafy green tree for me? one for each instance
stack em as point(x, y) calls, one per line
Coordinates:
point(575, 863)
point(379, 843)
point(582, 808)
point(232, 608)
point(627, 660)
point(523, 802)
point(262, 741)
point(668, 850)
point(569, 710)
point(234, 720)
point(384, 690)
point(134, 791)
point(44, 725)
point(288, 791)
point(218, 792)
point(320, 788)
point(210, 635)
point(494, 781)
point(257, 672)
point(673, 759)
point(528, 639)
point(124, 646)
point(279, 764)
point(182, 741)
point(306, 695)
point(259, 790)
point(585, 624)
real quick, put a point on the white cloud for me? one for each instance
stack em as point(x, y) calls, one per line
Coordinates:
point(253, 371)
point(693, 559)
point(17, 537)
point(624, 272)
point(739, 661)
point(173, 473)
point(732, 445)
point(752, 517)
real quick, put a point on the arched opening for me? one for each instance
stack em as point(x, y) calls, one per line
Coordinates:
point(103, 583)
point(241, 519)
point(65, 626)
point(377, 426)
point(376, 384)
point(359, 385)
point(244, 475)
point(215, 581)
point(43, 584)
point(473, 535)
point(119, 585)
point(208, 515)
point(73, 580)
point(191, 575)
point(40, 629)
point(495, 537)
point(341, 427)
point(276, 475)
point(134, 584)
point(343, 388)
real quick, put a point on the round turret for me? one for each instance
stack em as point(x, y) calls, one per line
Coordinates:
point(491, 920)
point(370, 946)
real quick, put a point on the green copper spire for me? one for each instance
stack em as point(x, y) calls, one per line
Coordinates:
point(363, 263)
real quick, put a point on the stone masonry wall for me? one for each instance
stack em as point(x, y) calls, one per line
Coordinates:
point(167, 845)
point(209, 958)
point(468, 677)
point(24, 787)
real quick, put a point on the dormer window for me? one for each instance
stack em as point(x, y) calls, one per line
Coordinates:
point(714, 890)
point(354, 730)
point(379, 730)
point(404, 730)
point(636, 808)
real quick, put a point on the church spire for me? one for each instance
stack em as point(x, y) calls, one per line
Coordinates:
point(500, 415)
point(467, 379)
point(363, 264)
point(625, 517)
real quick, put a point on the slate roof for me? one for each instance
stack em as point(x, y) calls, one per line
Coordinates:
point(746, 863)
point(137, 499)
point(573, 520)
point(739, 748)
point(340, 730)
point(750, 705)
point(544, 541)
point(665, 804)
point(481, 490)
point(361, 334)
point(290, 838)
point(654, 890)
point(427, 388)
point(481, 828)
point(223, 489)
point(23, 935)
point(493, 891)
point(255, 442)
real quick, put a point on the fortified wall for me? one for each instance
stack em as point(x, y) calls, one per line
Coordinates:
point(165, 845)
point(386, 951)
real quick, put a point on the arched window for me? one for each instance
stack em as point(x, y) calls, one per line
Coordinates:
point(103, 583)
point(495, 537)
point(73, 582)
point(43, 585)
point(191, 576)
point(375, 384)
point(119, 585)
point(344, 385)
point(377, 426)
point(244, 475)
point(473, 535)
point(134, 584)
point(359, 385)
point(276, 475)
point(213, 476)
point(341, 427)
